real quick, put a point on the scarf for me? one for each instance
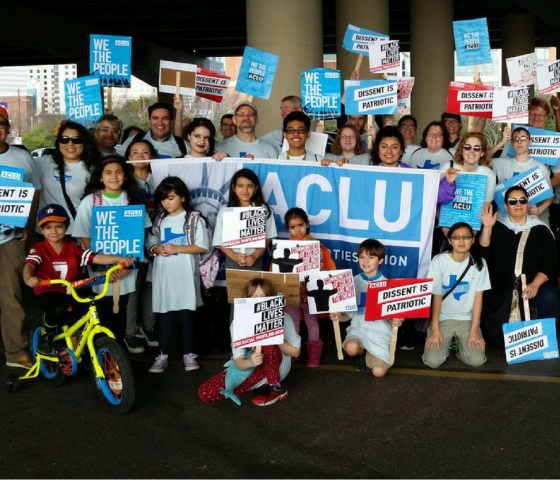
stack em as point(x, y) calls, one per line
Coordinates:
point(517, 227)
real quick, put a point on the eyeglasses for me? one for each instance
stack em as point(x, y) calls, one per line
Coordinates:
point(467, 147)
point(75, 140)
point(519, 139)
point(451, 122)
point(408, 126)
point(246, 114)
point(291, 131)
point(113, 131)
point(4, 125)
point(513, 201)
point(461, 237)
point(434, 135)
point(347, 137)
point(537, 115)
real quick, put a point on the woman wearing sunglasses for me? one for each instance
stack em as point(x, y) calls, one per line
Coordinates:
point(64, 175)
point(500, 241)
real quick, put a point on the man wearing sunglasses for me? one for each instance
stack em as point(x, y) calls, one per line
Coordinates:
point(107, 134)
point(12, 255)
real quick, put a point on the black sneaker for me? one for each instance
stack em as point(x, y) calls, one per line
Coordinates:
point(361, 364)
point(149, 336)
point(45, 345)
point(133, 344)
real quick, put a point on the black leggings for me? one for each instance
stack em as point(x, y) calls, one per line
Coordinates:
point(186, 322)
point(56, 307)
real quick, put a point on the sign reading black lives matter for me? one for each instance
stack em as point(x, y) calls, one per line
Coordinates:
point(258, 321)
point(244, 227)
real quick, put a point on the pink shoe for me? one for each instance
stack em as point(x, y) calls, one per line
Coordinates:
point(314, 348)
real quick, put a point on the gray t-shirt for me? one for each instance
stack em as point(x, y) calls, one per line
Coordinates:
point(236, 148)
point(167, 148)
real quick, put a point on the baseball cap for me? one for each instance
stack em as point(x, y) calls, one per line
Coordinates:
point(4, 113)
point(248, 104)
point(52, 213)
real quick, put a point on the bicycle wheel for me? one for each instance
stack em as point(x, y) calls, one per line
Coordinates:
point(117, 384)
point(50, 370)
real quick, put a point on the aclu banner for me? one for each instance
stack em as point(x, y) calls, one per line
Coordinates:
point(544, 147)
point(83, 99)
point(530, 340)
point(320, 93)
point(472, 42)
point(110, 58)
point(118, 230)
point(345, 204)
point(257, 72)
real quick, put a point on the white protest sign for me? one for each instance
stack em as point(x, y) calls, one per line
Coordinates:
point(295, 256)
point(331, 291)
point(522, 70)
point(316, 143)
point(384, 57)
point(548, 77)
point(172, 74)
point(244, 227)
point(510, 104)
point(258, 321)
point(404, 90)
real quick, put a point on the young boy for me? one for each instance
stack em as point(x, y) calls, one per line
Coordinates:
point(296, 132)
point(372, 337)
point(57, 257)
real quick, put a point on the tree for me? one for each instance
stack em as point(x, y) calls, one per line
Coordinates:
point(134, 112)
point(40, 136)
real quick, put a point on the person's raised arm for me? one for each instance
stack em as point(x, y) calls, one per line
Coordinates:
point(178, 120)
point(488, 221)
point(555, 104)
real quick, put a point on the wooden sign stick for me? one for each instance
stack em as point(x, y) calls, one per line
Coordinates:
point(525, 301)
point(369, 124)
point(177, 82)
point(258, 349)
point(338, 340)
point(393, 344)
point(116, 296)
point(358, 64)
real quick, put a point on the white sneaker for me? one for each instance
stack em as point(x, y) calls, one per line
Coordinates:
point(160, 364)
point(189, 360)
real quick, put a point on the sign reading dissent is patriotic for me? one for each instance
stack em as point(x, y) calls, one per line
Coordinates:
point(470, 99)
point(399, 298)
point(211, 85)
point(364, 97)
point(357, 39)
point(530, 340)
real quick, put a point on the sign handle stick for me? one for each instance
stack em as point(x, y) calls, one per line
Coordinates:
point(258, 349)
point(250, 98)
point(178, 82)
point(109, 100)
point(369, 139)
point(116, 296)
point(393, 344)
point(471, 119)
point(525, 301)
point(338, 340)
point(358, 64)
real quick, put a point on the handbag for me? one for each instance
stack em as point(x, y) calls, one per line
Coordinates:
point(514, 310)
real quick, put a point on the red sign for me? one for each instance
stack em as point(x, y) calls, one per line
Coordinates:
point(470, 99)
point(399, 298)
point(211, 85)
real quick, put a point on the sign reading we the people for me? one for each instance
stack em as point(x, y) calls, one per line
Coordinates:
point(530, 340)
point(384, 57)
point(330, 291)
point(472, 42)
point(294, 256)
point(510, 103)
point(522, 70)
point(257, 72)
point(467, 204)
point(211, 85)
point(320, 93)
point(470, 99)
point(357, 39)
point(364, 97)
point(118, 230)
point(244, 227)
point(110, 58)
point(544, 146)
point(258, 321)
point(83, 99)
point(548, 77)
point(16, 197)
point(399, 298)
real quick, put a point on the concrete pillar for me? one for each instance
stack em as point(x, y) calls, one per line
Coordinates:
point(370, 14)
point(518, 38)
point(293, 30)
point(431, 57)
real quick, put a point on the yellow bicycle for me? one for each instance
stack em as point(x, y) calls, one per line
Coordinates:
point(110, 364)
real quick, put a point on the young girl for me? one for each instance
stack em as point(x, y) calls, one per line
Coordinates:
point(460, 276)
point(176, 285)
point(347, 148)
point(112, 184)
point(245, 191)
point(297, 223)
point(201, 137)
point(270, 366)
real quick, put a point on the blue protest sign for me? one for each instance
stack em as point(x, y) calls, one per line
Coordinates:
point(365, 97)
point(544, 147)
point(469, 197)
point(532, 180)
point(118, 230)
point(110, 58)
point(320, 93)
point(357, 39)
point(257, 72)
point(83, 99)
point(530, 340)
point(15, 198)
point(472, 42)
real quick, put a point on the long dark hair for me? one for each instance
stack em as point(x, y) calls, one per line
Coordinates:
point(130, 185)
point(90, 156)
point(174, 184)
point(447, 247)
point(257, 199)
point(204, 122)
point(296, 212)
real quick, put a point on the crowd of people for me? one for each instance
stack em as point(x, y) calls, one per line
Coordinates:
point(88, 169)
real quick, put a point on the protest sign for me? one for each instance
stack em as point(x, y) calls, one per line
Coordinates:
point(357, 39)
point(472, 42)
point(175, 76)
point(544, 146)
point(320, 93)
point(286, 284)
point(293, 256)
point(211, 85)
point(470, 99)
point(83, 99)
point(467, 204)
point(399, 298)
point(331, 291)
point(16, 197)
point(522, 70)
point(530, 340)
point(257, 72)
point(120, 231)
point(365, 97)
point(244, 227)
point(258, 321)
point(404, 90)
point(532, 180)
point(548, 77)
point(384, 57)
point(510, 103)
point(110, 58)
point(316, 143)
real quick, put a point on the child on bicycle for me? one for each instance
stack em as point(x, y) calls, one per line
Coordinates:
point(57, 257)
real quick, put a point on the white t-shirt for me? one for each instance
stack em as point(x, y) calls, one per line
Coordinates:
point(459, 303)
point(236, 148)
point(313, 157)
point(421, 158)
point(480, 170)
